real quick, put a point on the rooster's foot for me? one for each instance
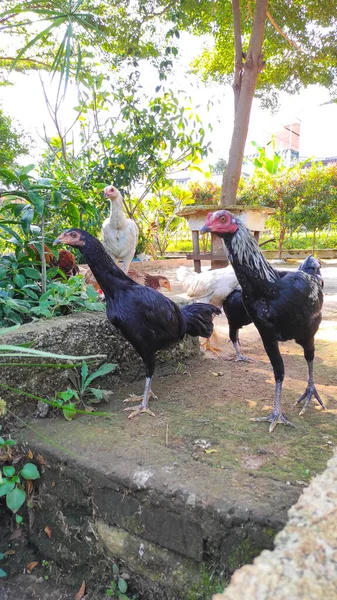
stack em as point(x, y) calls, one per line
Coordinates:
point(208, 346)
point(274, 419)
point(308, 394)
point(138, 411)
point(134, 398)
point(241, 357)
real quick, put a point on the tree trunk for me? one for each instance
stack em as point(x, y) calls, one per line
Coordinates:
point(252, 67)
point(280, 242)
point(314, 241)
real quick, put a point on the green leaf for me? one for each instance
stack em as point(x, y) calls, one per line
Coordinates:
point(10, 443)
point(30, 471)
point(103, 370)
point(22, 351)
point(27, 216)
point(18, 519)
point(6, 487)
point(97, 393)
point(11, 231)
point(122, 585)
point(9, 471)
point(84, 372)
point(19, 280)
point(32, 273)
point(74, 214)
point(115, 570)
point(2, 556)
point(15, 499)
point(68, 411)
point(3, 573)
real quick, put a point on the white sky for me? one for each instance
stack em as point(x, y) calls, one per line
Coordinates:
point(25, 103)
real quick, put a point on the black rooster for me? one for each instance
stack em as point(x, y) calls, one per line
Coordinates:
point(146, 318)
point(283, 305)
point(237, 318)
point(237, 315)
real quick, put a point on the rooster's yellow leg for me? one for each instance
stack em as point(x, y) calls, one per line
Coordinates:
point(210, 344)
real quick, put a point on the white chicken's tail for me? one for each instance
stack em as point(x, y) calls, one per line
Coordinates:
point(184, 273)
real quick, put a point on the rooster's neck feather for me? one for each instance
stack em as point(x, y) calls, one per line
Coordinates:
point(246, 256)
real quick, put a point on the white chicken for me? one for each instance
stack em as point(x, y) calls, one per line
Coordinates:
point(212, 287)
point(119, 234)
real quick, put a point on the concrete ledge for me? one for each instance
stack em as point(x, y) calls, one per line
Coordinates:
point(79, 334)
point(304, 562)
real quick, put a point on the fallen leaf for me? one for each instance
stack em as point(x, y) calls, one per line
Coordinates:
point(30, 454)
point(15, 535)
point(80, 592)
point(53, 484)
point(211, 451)
point(31, 566)
point(9, 552)
point(29, 486)
point(217, 374)
point(47, 530)
point(41, 460)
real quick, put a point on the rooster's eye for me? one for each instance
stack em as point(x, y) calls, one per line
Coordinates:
point(222, 218)
point(73, 235)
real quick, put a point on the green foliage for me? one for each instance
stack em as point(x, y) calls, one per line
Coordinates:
point(159, 213)
point(207, 585)
point(219, 167)
point(139, 146)
point(206, 192)
point(292, 34)
point(303, 199)
point(13, 143)
point(11, 484)
point(66, 38)
point(22, 298)
point(118, 586)
point(28, 287)
point(82, 390)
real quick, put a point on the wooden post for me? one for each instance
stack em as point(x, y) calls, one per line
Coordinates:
point(196, 250)
point(217, 249)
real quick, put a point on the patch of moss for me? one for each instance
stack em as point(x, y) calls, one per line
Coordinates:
point(207, 584)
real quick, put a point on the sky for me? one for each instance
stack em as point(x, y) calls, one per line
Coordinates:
point(25, 103)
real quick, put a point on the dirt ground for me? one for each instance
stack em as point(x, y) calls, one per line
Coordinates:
point(203, 414)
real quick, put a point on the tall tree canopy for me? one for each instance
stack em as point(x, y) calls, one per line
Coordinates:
point(264, 46)
point(13, 142)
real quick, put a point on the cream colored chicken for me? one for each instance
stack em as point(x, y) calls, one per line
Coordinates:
point(119, 234)
point(209, 286)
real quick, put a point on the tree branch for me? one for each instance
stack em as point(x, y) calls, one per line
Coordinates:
point(31, 60)
point(238, 70)
point(284, 35)
point(158, 14)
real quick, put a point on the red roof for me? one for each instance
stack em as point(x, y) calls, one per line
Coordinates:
point(288, 138)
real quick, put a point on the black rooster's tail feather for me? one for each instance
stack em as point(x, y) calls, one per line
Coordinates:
point(199, 318)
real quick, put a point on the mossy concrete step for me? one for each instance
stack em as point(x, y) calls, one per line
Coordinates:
point(168, 517)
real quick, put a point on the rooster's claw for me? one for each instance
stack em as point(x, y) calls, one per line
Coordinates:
point(274, 419)
point(138, 411)
point(307, 395)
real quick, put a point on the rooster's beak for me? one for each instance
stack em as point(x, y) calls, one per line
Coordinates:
point(58, 240)
point(204, 229)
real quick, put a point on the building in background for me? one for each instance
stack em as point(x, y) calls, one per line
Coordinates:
point(287, 142)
